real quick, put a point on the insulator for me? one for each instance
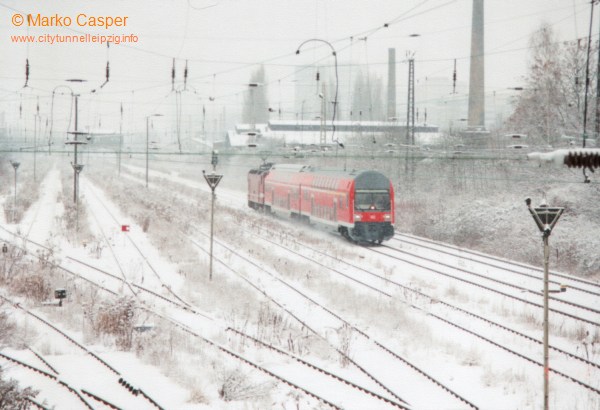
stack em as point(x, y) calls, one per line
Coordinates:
point(173, 76)
point(185, 74)
point(107, 71)
point(589, 160)
point(26, 72)
point(317, 76)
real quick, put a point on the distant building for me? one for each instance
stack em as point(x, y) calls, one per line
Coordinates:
point(305, 133)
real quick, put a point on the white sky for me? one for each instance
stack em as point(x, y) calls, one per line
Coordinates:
point(224, 40)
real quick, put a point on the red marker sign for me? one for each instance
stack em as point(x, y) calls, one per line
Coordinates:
point(124, 228)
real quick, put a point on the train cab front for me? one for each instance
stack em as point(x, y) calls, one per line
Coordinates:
point(373, 216)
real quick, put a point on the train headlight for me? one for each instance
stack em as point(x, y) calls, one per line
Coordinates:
point(357, 217)
point(387, 217)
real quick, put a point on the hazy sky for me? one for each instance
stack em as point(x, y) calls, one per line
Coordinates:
point(223, 41)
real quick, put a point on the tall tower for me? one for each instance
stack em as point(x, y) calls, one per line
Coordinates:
point(410, 105)
point(391, 94)
point(476, 74)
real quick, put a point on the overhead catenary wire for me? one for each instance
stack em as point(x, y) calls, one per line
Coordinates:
point(405, 15)
point(393, 21)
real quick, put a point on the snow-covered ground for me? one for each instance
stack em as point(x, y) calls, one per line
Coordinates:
point(194, 353)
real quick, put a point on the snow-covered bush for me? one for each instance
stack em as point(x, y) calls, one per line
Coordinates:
point(75, 215)
point(7, 329)
point(12, 396)
point(237, 386)
point(32, 284)
point(117, 319)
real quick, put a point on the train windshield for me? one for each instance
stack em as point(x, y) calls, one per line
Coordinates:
point(372, 200)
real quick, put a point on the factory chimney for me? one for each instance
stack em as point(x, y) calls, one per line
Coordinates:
point(476, 121)
point(391, 96)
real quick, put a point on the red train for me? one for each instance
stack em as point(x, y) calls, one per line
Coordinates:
point(358, 204)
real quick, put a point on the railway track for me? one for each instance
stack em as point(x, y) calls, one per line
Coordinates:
point(117, 224)
point(370, 343)
point(488, 321)
point(87, 353)
point(282, 378)
point(555, 278)
point(51, 376)
point(441, 268)
point(385, 280)
point(372, 288)
point(396, 397)
point(577, 296)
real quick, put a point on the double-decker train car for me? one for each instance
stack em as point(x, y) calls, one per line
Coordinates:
point(358, 204)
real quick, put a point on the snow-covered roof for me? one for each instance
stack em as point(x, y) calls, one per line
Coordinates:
point(311, 132)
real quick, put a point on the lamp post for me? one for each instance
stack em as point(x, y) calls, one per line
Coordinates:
point(335, 100)
point(212, 180)
point(15, 165)
point(50, 140)
point(77, 168)
point(147, 121)
point(545, 218)
point(35, 131)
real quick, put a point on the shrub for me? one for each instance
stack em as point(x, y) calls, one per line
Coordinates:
point(117, 319)
point(236, 386)
point(32, 285)
point(7, 329)
point(12, 397)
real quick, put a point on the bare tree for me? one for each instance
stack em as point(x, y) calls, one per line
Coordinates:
point(551, 103)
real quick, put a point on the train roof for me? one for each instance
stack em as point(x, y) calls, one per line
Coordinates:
point(364, 178)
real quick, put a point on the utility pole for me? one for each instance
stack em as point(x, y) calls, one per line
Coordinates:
point(587, 78)
point(147, 142)
point(76, 167)
point(335, 98)
point(35, 131)
point(545, 218)
point(410, 106)
point(323, 131)
point(15, 165)
point(120, 140)
point(597, 125)
point(212, 180)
